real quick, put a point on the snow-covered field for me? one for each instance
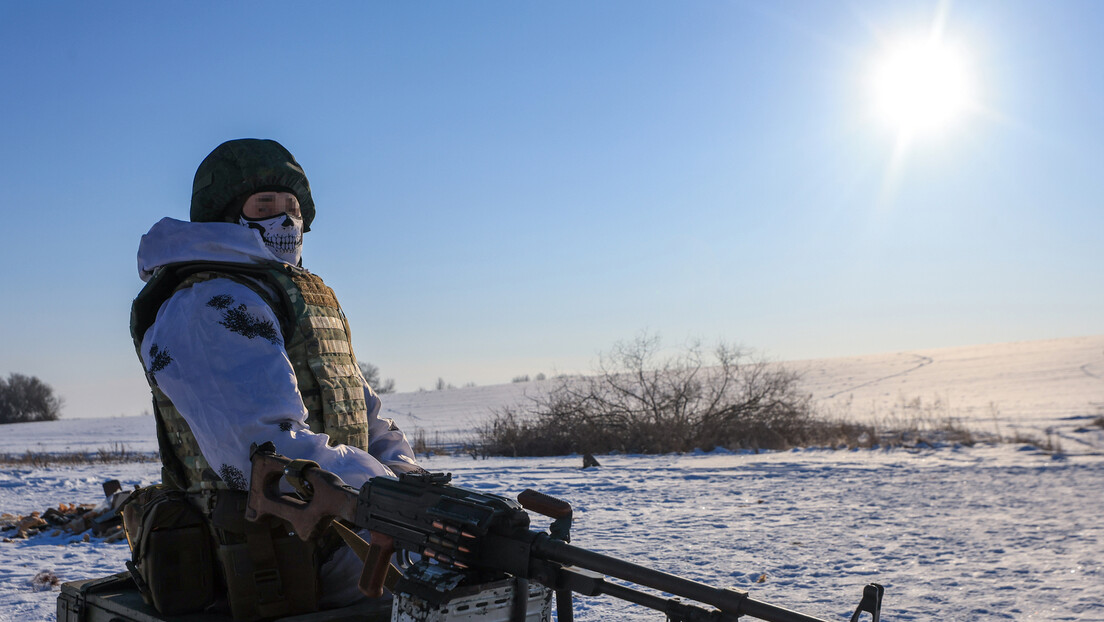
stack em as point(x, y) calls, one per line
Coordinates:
point(954, 533)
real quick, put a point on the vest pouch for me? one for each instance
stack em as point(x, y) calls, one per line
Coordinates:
point(271, 574)
point(172, 559)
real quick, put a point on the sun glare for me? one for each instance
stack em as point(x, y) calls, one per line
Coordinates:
point(920, 86)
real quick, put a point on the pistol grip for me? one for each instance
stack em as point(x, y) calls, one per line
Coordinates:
point(376, 565)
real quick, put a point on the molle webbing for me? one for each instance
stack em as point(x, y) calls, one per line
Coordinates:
point(317, 342)
point(321, 351)
point(180, 453)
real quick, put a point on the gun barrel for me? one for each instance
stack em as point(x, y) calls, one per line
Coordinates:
point(732, 601)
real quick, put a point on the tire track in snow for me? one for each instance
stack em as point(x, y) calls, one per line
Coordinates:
point(924, 361)
point(1070, 435)
point(1085, 369)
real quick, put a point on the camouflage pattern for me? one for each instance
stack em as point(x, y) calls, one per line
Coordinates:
point(321, 351)
point(318, 344)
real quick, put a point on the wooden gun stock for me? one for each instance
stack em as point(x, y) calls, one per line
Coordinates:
point(326, 496)
point(374, 575)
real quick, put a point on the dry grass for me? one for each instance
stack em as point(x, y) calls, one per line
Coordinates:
point(915, 422)
point(910, 423)
point(116, 453)
point(438, 445)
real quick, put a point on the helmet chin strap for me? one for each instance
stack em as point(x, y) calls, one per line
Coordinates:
point(282, 234)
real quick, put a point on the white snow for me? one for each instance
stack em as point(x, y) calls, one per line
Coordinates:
point(954, 533)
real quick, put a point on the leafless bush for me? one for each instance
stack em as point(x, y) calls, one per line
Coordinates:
point(640, 403)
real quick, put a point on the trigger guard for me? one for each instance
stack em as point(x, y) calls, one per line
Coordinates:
point(295, 471)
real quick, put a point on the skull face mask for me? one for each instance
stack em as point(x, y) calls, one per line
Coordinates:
point(283, 235)
point(275, 215)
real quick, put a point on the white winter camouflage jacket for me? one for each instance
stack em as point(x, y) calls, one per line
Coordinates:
point(233, 390)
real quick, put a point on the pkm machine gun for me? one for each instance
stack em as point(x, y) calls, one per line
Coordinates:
point(478, 544)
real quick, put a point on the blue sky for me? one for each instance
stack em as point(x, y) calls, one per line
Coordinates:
point(510, 188)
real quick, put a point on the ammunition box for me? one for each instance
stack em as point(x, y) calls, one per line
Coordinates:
point(116, 599)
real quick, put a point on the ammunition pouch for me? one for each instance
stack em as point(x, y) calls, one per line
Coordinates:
point(189, 549)
point(269, 572)
point(172, 558)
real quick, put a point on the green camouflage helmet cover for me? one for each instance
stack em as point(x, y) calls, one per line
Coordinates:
point(241, 167)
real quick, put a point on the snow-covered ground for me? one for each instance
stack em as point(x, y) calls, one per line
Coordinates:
point(954, 533)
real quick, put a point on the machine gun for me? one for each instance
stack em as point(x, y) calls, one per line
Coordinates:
point(479, 545)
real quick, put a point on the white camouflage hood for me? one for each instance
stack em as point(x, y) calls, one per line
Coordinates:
point(176, 241)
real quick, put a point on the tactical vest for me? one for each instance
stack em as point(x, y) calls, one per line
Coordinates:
point(316, 338)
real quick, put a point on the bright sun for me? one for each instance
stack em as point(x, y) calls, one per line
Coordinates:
point(921, 86)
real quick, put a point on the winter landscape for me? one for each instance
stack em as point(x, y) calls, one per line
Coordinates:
point(993, 531)
point(502, 189)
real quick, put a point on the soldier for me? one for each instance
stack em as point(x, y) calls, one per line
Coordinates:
point(242, 345)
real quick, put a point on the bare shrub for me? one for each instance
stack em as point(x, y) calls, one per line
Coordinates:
point(640, 403)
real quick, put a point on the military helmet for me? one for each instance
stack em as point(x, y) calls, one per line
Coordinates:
point(239, 168)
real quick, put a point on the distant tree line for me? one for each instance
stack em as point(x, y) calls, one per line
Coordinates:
point(26, 398)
